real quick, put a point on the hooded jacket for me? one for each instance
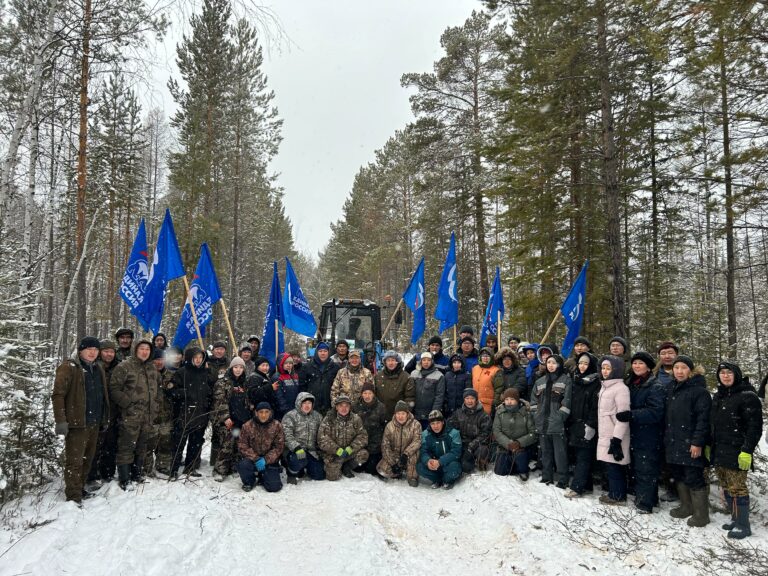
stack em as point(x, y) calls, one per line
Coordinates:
point(192, 392)
point(482, 380)
point(401, 439)
point(514, 423)
point(473, 424)
point(260, 389)
point(301, 430)
point(317, 377)
point(614, 398)
point(133, 387)
point(505, 378)
point(430, 391)
point(288, 387)
point(737, 419)
point(646, 427)
point(455, 384)
point(394, 385)
point(686, 422)
point(584, 398)
point(551, 400)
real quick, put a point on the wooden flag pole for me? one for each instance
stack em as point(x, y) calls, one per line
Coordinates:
point(229, 328)
point(194, 314)
point(392, 318)
point(456, 345)
point(558, 314)
point(498, 330)
point(277, 341)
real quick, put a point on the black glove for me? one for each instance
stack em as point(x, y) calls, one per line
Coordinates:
point(403, 461)
point(397, 471)
point(625, 416)
point(615, 449)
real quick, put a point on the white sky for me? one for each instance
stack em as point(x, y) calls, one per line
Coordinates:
point(337, 88)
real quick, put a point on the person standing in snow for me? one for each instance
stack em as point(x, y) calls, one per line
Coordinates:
point(435, 347)
point(351, 379)
point(612, 433)
point(221, 423)
point(510, 375)
point(400, 446)
point(246, 354)
point(457, 379)
point(261, 445)
point(217, 361)
point(393, 384)
point(582, 423)
point(430, 389)
point(80, 409)
point(469, 352)
point(317, 375)
point(103, 463)
point(124, 337)
point(341, 357)
point(288, 386)
point(737, 424)
point(482, 379)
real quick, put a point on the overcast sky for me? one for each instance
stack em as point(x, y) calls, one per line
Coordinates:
point(337, 88)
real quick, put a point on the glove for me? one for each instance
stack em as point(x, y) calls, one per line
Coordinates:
point(403, 462)
point(228, 423)
point(708, 452)
point(260, 464)
point(589, 432)
point(348, 451)
point(513, 446)
point(615, 449)
point(745, 461)
point(625, 416)
point(397, 471)
point(340, 452)
point(300, 453)
point(62, 428)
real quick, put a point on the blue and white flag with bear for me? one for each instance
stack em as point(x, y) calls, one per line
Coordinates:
point(493, 311)
point(414, 299)
point(134, 283)
point(573, 310)
point(447, 310)
point(204, 292)
point(296, 310)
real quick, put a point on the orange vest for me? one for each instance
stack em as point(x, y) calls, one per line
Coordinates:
point(482, 382)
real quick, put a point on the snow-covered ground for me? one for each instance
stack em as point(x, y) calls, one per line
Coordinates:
point(486, 525)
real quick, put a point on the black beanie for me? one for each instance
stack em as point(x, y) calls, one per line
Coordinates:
point(435, 340)
point(687, 360)
point(88, 342)
point(645, 357)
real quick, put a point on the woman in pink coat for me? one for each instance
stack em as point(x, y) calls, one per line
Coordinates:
point(613, 436)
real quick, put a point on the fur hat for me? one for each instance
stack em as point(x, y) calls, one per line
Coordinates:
point(645, 357)
point(510, 393)
point(436, 416)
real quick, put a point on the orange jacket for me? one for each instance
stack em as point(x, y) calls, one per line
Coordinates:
point(482, 382)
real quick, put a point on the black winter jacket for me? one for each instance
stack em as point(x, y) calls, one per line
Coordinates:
point(192, 394)
point(317, 378)
point(586, 390)
point(646, 428)
point(455, 383)
point(688, 410)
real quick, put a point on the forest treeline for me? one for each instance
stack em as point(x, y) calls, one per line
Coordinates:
point(630, 133)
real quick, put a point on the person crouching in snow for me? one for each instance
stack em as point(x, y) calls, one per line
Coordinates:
point(342, 440)
point(301, 427)
point(261, 444)
point(474, 425)
point(514, 431)
point(440, 456)
point(613, 434)
point(400, 446)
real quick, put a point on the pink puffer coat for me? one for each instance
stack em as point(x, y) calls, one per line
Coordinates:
point(614, 398)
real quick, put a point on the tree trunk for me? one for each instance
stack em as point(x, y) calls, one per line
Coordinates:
point(82, 169)
point(29, 208)
point(233, 276)
point(610, 177)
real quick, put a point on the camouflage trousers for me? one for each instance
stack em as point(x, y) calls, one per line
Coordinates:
point(385, 468)
point(132, 440)
point(223, 450)
point(333, 463)
point(734, 482)
point(159, 452)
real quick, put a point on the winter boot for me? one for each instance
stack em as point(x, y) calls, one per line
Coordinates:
point(700, 504)
point(137, 472)
point(686, 508)
point(742, 528)
point(730, 505)
point(346, 470)
point(124, 475)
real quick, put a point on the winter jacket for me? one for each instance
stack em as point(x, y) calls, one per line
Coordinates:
point(401, 439)
point(69, 394)
point(350, 381)
point(514, 423)
point(584, 395)
point(338, 431)
point(288, 387)
point(239, 405)
point(686, 422)
point(737, 420)
point(222, 393)
point(507, 378)
point(317, 377)
point(392, 386)
point(444, 447)
point(482, 382)
point(439, 360)
point(430, 391)
point(133, 388)
point(108, 367)
point(471, 360)
point(551, 403)
point(374, 419)
point(301, 430)
point(192, 393)
point(217, 367)
point(260, 389)
point(339, 361)
point(473, 424)
point(647, 424)
point(259, 440)
point(614, 398)
point(455, 384)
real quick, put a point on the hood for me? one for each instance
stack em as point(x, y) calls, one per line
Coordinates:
point(301, 397)
point(552, 350)
point(136, 344)
point(506, 352)
point(283, 357)
point(560, 366)
point(490, 353)
point(391, 354)
point(594, 367)
point(316, 358)
point(460, 358)
point(192, 351)
point(617, 367)
point(740, 382)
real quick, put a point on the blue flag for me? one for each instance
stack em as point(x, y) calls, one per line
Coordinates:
point(166, 266)
point(414, 299)
point(269, 348)
point(447, 310)
point(573, 310)
point(204, 293)
point(134, 283)
point(495, 306)
point(298, 315)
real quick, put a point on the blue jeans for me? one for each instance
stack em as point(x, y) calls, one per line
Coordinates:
point(617, 481)
point(508, 463)
point(313, 466)
point(270, 477)
point(582, 471)
point(446, 474)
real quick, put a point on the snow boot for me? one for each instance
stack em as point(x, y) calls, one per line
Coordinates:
point(137, 472)
point(293, 480)
point(700, 505)
point(124, 475)
point(413, 482)
point(731, 506)
point(346, 470)
point(686, 508)
point(742, 528)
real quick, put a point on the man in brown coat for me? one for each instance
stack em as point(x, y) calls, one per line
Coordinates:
point(133, 388)
point(342, 440)
point(80, 409)
point(393, 383)
point(261, 443)
point(400, 446)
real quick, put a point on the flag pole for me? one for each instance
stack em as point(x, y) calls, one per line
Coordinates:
point(455, 344)
point(392, 318)
point(498, 329)
point(277, 341)
point(229, 328)
point(194, 314)
point(551, 326)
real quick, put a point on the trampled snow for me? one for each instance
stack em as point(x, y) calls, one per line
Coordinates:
point(486, 525)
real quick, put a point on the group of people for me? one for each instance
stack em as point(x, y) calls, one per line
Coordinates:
point(142, 408)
